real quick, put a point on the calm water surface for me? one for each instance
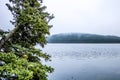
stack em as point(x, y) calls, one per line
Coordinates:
point(84, 61)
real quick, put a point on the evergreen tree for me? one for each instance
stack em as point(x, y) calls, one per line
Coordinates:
point(19, 59)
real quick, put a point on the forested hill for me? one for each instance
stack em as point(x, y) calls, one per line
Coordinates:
point(82, 38)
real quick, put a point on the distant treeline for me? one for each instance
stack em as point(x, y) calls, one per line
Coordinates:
point(82, 38)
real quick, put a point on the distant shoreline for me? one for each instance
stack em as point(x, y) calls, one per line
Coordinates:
point(83, 43)
point(83, 38)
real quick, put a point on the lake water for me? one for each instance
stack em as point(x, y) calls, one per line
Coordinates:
point(84, 61)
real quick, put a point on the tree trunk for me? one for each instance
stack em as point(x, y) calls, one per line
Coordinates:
point(6, 38)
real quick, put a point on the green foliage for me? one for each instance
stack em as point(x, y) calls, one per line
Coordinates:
point(22, 67)
point(15, 65)
point(18, 52)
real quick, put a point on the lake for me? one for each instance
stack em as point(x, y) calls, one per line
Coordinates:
point(84, 61)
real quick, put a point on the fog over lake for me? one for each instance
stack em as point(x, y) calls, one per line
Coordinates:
point(84, 61)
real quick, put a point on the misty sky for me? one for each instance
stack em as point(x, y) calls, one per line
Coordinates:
point(81, 16)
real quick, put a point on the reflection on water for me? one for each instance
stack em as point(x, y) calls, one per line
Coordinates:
point(84, 61)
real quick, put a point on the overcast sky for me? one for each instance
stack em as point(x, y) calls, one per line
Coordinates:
point(81, 16)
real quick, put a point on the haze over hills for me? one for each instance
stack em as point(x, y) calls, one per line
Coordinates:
point(82, 38)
